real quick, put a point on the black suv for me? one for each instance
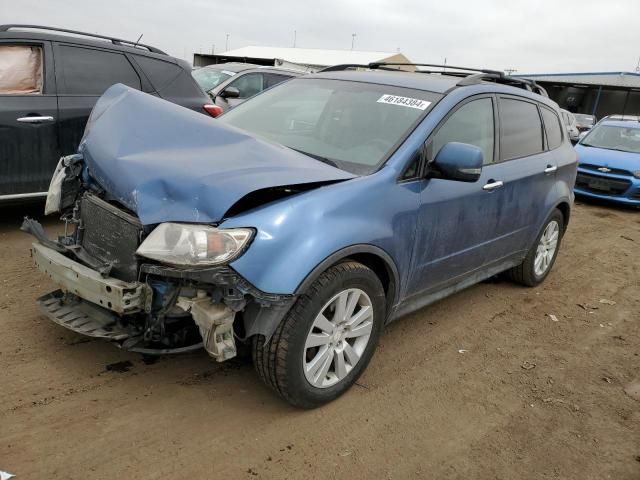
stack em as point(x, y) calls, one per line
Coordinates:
point(50, 78)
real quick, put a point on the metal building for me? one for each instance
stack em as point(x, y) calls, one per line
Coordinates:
point(599, 93)
point(309, 59)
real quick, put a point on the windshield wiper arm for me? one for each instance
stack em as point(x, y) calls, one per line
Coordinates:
point(322, 159)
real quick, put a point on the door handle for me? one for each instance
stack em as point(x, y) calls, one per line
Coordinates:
point(550, 169)
point(489, 187)
point(41, 119)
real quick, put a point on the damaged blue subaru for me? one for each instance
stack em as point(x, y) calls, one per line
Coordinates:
point(298, 224)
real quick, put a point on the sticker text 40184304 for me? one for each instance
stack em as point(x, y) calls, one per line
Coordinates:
point(404, 101)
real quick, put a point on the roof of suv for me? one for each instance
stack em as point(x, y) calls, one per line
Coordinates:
point(429, 81)
point(44, 33)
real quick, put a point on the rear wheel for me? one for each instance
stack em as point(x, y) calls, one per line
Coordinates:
point(326, 340)
point(539, 260)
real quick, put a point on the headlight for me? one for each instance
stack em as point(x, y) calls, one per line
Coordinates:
point(182, 244)
point(637, 174)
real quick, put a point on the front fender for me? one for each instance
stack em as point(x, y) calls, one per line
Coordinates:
point(297, 234)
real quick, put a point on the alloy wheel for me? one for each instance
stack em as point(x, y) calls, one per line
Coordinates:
point(546, 248)
point(338, 337)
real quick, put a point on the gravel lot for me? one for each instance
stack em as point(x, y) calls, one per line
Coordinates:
point(482, 385)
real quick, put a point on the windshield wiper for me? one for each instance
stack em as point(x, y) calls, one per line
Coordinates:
point(326, 160)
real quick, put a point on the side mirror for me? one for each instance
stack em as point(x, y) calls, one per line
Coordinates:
point(457, 161)
point(230, 92)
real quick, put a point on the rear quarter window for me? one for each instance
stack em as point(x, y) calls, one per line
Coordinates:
point(552, 127)
point(168, 79)
point(521, 129)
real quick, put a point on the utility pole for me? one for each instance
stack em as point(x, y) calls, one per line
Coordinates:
point(509, 71)
point(295, 34)
point(353, 40)
point(638, 66)
point(213, 49)
point(226, 44)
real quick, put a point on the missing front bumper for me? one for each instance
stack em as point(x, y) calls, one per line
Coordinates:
point(116, 295)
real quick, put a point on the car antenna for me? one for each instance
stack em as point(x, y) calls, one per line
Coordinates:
point(138, 40)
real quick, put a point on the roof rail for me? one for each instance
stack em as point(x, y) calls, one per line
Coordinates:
point(504, 79)
point(470, 78)
point(115, 41)
point(347, 66)
point(375, 65)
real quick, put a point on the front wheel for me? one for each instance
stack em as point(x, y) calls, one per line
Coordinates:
point(326, 340)
point(539, 260)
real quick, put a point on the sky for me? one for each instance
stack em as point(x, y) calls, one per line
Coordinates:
point(528, 36)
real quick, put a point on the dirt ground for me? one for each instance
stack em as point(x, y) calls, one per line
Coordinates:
point(482, 385)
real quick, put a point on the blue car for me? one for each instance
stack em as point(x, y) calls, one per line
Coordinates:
point(609, 161)
point(301, 222)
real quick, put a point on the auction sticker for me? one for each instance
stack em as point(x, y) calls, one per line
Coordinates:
point(404, 101)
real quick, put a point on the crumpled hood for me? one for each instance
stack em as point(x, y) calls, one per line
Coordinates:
point(608, 158)
point(168, 163)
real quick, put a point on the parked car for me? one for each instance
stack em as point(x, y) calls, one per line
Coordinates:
point(584, 122)
point(230, 84)
point(571, 125)
point(50, 79)
point(609, 161)
point(305, 219)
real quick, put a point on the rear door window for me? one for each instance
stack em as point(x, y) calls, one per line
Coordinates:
point(521, 129)
point(472, 123)
point(89, 71)
point(552, 127)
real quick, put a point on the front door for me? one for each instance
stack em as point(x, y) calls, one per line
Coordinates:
point(458, 221)
point(29, 149)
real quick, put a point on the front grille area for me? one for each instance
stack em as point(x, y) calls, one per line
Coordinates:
point(613, 171)
point(111, 235)
point(601, 184)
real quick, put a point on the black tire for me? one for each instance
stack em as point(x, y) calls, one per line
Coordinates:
point(524, 273)
point(279, 362)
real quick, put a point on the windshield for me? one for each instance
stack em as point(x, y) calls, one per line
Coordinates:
point(351, 125)
point(614, 138)
point(209, 78)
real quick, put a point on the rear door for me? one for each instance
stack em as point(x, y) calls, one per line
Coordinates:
point(83, 74)
point(29, 148)
point(528, 169)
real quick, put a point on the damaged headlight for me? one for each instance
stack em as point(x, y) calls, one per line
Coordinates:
point(183, 244)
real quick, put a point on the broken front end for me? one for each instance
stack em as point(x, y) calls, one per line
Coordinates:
point(153, 289)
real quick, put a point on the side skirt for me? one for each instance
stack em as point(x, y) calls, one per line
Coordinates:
point(422, 299)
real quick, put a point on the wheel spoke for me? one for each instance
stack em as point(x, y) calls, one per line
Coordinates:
point(352, 355)
point(318, 361)
point(323, 324)
point(363, 329)
point(538, 262)
point(339, 364)
point(316, 340)
point(351, 304)
point(322, 374)
point(341, 307)
point(364, 314)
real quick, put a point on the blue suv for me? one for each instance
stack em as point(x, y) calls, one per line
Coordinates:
point(609, 161)
point(301, 222)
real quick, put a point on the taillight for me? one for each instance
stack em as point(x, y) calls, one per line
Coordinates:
point(213, 110)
